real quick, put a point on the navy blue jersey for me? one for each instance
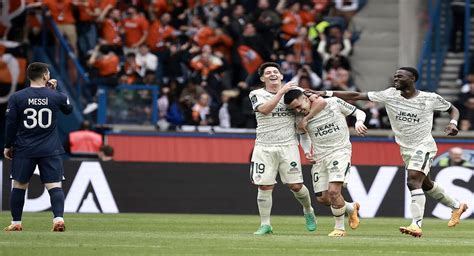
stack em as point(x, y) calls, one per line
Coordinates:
point(31, 121)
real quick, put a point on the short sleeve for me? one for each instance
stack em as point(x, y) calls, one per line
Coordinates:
point(439, 103)
point(256, 99)
point(380, 96)
point(345, 108)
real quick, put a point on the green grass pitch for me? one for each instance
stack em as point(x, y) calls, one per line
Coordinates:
point(179, 234)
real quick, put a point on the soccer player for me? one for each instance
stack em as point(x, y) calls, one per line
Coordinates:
point(410, 112)
point(31, 139)
point(276, 146)
point(328, 135)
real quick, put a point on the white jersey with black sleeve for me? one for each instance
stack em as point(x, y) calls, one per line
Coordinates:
point(411, 119)
point(328, 129)
point(278, 127)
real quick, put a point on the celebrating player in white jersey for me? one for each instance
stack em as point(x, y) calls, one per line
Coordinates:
point(276, 146)
point(329, 138)
point(410, 112)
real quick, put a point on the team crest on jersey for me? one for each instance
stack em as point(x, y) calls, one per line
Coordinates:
point(335, 163)
point(293, 164)
point(419, 152)
point(253, 99)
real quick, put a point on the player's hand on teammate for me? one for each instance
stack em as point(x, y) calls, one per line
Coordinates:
point(360, 128)
point(8, 153)
point(309, 157)
point(302, 125)
point(451, 129)
point(52, 83)
point(289, 86)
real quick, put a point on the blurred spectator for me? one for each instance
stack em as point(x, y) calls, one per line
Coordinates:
point(346, 9)
point(148, 62)
point(313, 80)
point(190, 94)
point(302, 47)
point(205, 62)
point(86, 26)
point(291, 19)
point(465, 125)
point(105, 63)
point(106, 153)
point(455, 158)
point(135, 28)
point(201, 111)
point(84, 141)
point(62, 13)
point(110, 31)
point(334, 48)
point(159, 33)
point(130, 72)
point(341, 81)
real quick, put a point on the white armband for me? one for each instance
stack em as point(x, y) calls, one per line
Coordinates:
point(329, 93)
point(305, 142)
point(455, 122)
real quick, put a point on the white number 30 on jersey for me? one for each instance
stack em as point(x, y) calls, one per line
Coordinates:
point(35, 118)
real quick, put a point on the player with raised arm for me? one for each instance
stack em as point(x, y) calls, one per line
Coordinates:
point(276, 146)
point(328, 137)
point(31, 139)
point(410, 112)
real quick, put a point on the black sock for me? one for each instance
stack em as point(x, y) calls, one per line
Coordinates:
point(57, 201)
point(17, 200)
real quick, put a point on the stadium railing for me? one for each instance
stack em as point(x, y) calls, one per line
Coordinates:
point(436, 42)
point(128, 104)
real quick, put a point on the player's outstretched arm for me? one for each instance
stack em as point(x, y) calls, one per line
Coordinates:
point(267, 107)
point(347, 95)
point(452, 128)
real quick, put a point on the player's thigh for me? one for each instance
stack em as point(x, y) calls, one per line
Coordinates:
point(264, 165)
point(319, 178)
point(22, 169)
point(51, 169)
point(419, 159)
point(338, 167)
point(290, 165)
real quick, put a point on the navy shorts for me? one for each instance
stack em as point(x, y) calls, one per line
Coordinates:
point(50, 169)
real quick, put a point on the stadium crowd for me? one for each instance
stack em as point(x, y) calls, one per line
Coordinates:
point(203, 53)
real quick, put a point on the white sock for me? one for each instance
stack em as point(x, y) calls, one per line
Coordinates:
point(417, 206)
point(264, 201)
point(338, 217)
point(304, 198)
point(16, 222)
point(349, 207)
point(58, 219)
point(438, 193)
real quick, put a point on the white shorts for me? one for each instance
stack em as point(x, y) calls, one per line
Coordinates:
point(331, 168)
point(268, 161)
point(419, 159)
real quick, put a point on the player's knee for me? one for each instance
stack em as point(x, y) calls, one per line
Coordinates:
point(295, 187)
point(333, 194)
point(323, 200)
point(413, 184)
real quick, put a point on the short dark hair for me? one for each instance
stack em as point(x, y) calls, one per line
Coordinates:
point(413, 71)
point(291, 95)
point(265, 65)
point(36, 70)
point(107, 149)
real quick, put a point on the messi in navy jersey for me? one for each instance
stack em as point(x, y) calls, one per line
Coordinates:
point(32, 139)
